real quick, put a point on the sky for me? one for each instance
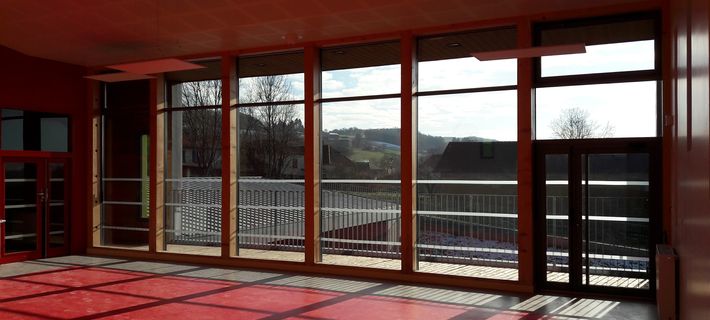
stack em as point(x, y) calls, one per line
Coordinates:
point(630, 108)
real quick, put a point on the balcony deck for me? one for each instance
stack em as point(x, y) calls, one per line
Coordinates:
point(476, 271)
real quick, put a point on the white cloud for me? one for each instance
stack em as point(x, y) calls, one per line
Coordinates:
point(491, 115)
point(365, 114)
point(466, 73)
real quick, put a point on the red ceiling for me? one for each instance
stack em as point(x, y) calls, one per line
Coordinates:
point(93, 32)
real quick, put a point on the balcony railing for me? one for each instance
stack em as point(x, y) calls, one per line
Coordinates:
point(363, 218)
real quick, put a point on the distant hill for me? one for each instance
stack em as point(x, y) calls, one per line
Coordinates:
point(428, 143)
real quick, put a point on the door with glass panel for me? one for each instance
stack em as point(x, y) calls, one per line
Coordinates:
point(598, 203)
point(33, 219)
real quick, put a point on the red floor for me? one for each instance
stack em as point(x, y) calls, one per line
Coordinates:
point(93, 292)
point(78, 287)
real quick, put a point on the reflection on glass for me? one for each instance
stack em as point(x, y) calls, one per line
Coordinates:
point(21, 212)
point(272, 88)
point(467, 185)
point(360, 186)
point(466, 73)
point(596, 111)
point(612, 57)
point(361, 81)
point(193, 175)
point(125, 123)
point(360, 70)
point(445, 62)
point(271, 77)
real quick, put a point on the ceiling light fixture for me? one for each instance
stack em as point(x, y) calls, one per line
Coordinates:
point(118, 77)
point(532, 52)
point(156, 66)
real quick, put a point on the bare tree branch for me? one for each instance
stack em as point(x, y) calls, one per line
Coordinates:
point(267, 130)
point(574, 123)
point(202, 127)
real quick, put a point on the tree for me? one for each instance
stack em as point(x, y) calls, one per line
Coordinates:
point(202, 128)
point(267, 130)
point(574, 123)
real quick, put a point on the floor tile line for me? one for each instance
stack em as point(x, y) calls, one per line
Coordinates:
point(160, 302)
point(86, 288)
point(29, 314)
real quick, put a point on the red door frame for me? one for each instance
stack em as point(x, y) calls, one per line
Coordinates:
point(42, 161)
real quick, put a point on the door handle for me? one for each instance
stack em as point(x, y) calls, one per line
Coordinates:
point(3, 221)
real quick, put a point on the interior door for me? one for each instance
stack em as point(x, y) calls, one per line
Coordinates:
point(597, 204)
point(34, 209)
point(21, 232)
point(56, 227)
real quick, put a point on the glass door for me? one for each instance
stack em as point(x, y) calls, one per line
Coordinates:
point(22, 210)
point(597, 206)
point(56, 208)
point(34, 209)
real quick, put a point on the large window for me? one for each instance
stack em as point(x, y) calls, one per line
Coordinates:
point(595, 94)
point(124, 196)
point(600, 199)
point(193, 161)
point(360, 164)
point(467, 206)
point(271, 171)
point(38, 131)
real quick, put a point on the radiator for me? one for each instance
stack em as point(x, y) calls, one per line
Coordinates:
point(666, 288)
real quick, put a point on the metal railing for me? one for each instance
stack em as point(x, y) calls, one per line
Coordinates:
point(363, 218)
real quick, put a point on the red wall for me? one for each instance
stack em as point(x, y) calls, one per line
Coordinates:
point(691, 154)
point(35, 84)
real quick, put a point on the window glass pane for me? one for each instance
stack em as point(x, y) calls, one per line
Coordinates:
point(36, 131)
point(466, 73)
point(360, 70)
point(271, 179)
point(193, 177)
point(467, 209)
point(614, 44)
point(196, 94)
point(597, 111)
point(269, 78)
point(271, 88)
point(12, 129)
point(615, 57)
point(271, 157)
point(54, 134)
point(193, 162)
point(484, 116)
point(360, 186)
point(445, 61)
point(125, 123)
